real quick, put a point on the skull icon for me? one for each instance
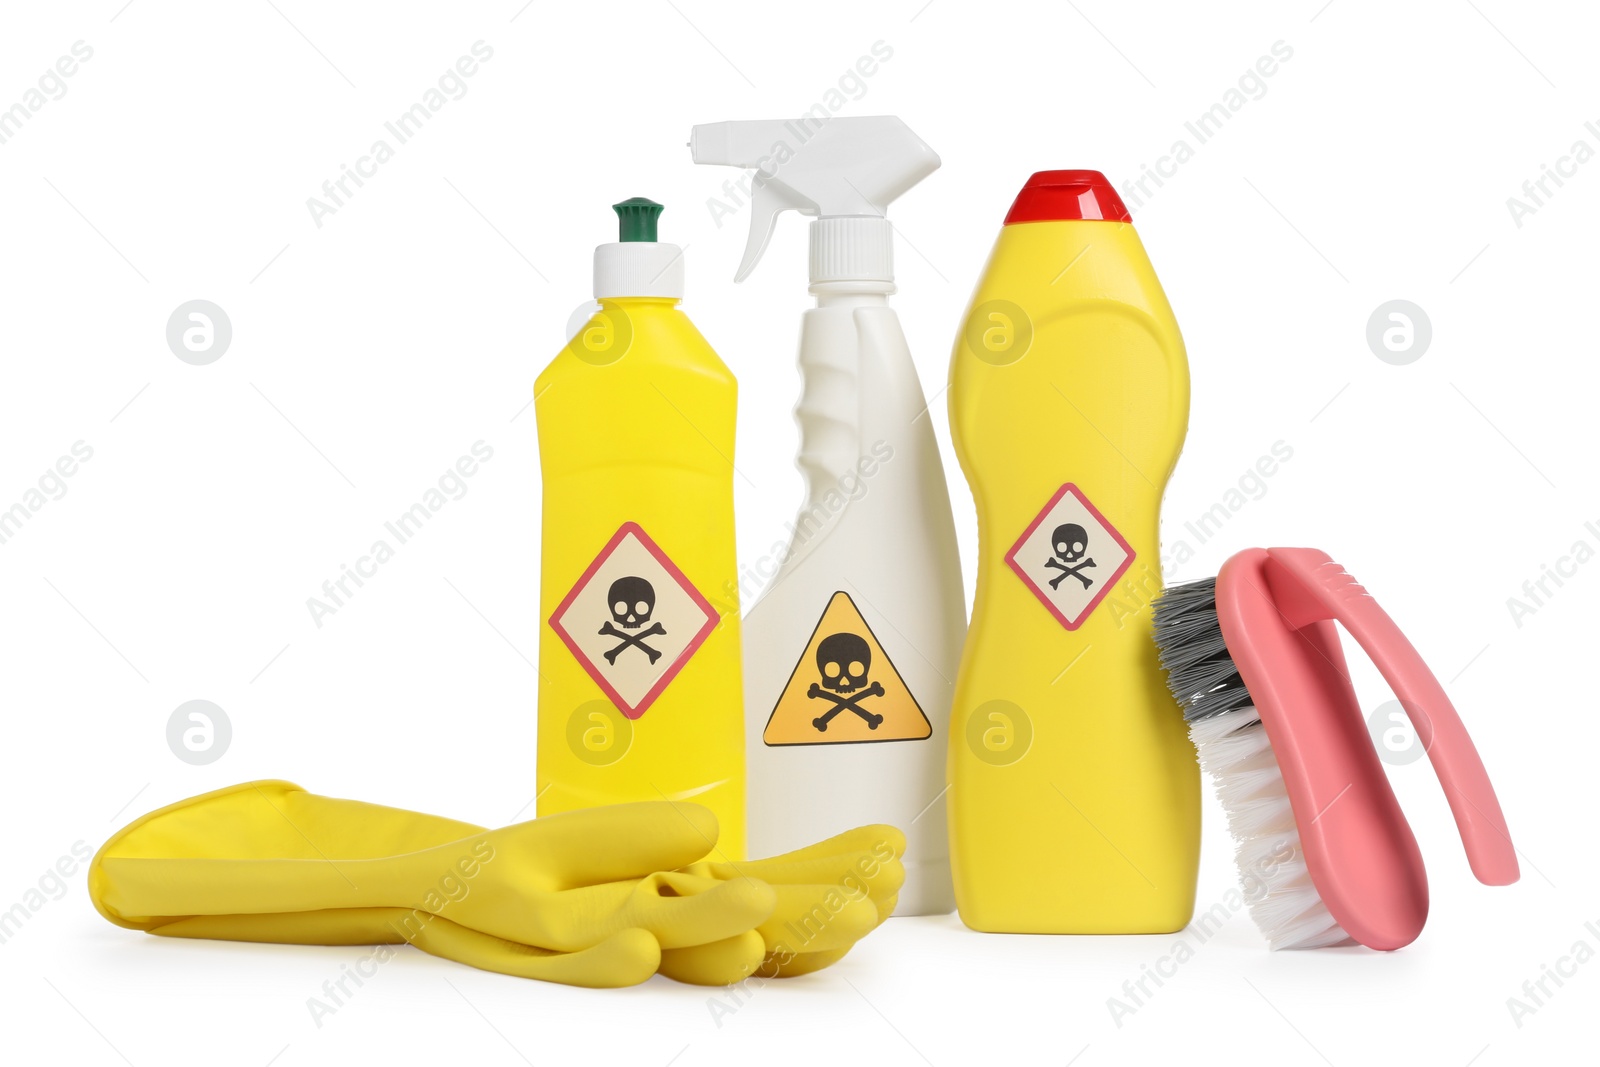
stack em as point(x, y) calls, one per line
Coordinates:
point(631, 600)
point(844, 663)
point(1070, 543)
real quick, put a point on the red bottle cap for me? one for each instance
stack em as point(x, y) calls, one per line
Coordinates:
point(1052, 195)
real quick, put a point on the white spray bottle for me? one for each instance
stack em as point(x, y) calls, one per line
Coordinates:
point(850, 654)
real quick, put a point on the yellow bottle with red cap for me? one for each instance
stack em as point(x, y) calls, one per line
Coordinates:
point(1074, 802)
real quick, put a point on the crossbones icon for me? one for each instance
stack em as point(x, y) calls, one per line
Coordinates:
point(632, 600)
point(843, 661)
point(627, 641)
point(1071, 543)
point(842, 703)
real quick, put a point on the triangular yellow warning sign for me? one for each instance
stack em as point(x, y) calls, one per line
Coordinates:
point(844, 689)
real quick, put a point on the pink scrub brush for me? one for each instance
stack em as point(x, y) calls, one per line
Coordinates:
point(1325, 853)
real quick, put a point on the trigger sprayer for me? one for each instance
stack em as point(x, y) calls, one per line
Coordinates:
point(844, 173)
point(851, 651)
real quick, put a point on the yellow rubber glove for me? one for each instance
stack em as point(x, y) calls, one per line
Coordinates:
point(584, 898)
point(568, 900)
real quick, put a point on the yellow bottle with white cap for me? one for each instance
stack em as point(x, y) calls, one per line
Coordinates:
point(640, 695)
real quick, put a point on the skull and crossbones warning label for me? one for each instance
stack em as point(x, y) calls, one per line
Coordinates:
point(1070, 556)
point(844, 688)
point(633, 619)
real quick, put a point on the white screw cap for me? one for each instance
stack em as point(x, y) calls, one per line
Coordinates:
point(638, 268)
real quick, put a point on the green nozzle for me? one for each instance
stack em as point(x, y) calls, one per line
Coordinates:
point(636, 219)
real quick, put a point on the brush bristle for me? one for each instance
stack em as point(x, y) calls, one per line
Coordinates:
point(1235, 751)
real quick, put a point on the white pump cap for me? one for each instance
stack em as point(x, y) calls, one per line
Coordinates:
point(844, 171)
point(635, 264)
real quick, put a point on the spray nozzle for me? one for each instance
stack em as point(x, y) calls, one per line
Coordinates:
point(848, 169)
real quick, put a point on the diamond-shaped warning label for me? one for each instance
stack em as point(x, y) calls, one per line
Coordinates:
point(633, 620)
point(1070, 556)
point(844, 689)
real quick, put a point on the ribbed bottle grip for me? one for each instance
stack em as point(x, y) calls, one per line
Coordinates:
point(830, 444)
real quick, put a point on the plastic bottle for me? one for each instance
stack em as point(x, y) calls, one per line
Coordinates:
point(639, 691)
point(850, 654)
point(1074, 800)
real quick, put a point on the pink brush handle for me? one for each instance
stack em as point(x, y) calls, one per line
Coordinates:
point(1308, 586)
point(1358, 847)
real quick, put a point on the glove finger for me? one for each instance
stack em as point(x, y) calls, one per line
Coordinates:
point(682, 910)
point(787, 965)
point(617, 842)
point(887, 884)
point(817, 918)
point(626, 958)
point(778, 966)
point(719, 963)
point(865, 847)
point(677, 909)
point(852, 872)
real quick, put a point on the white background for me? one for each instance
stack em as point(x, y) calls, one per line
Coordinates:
point(370, 353)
